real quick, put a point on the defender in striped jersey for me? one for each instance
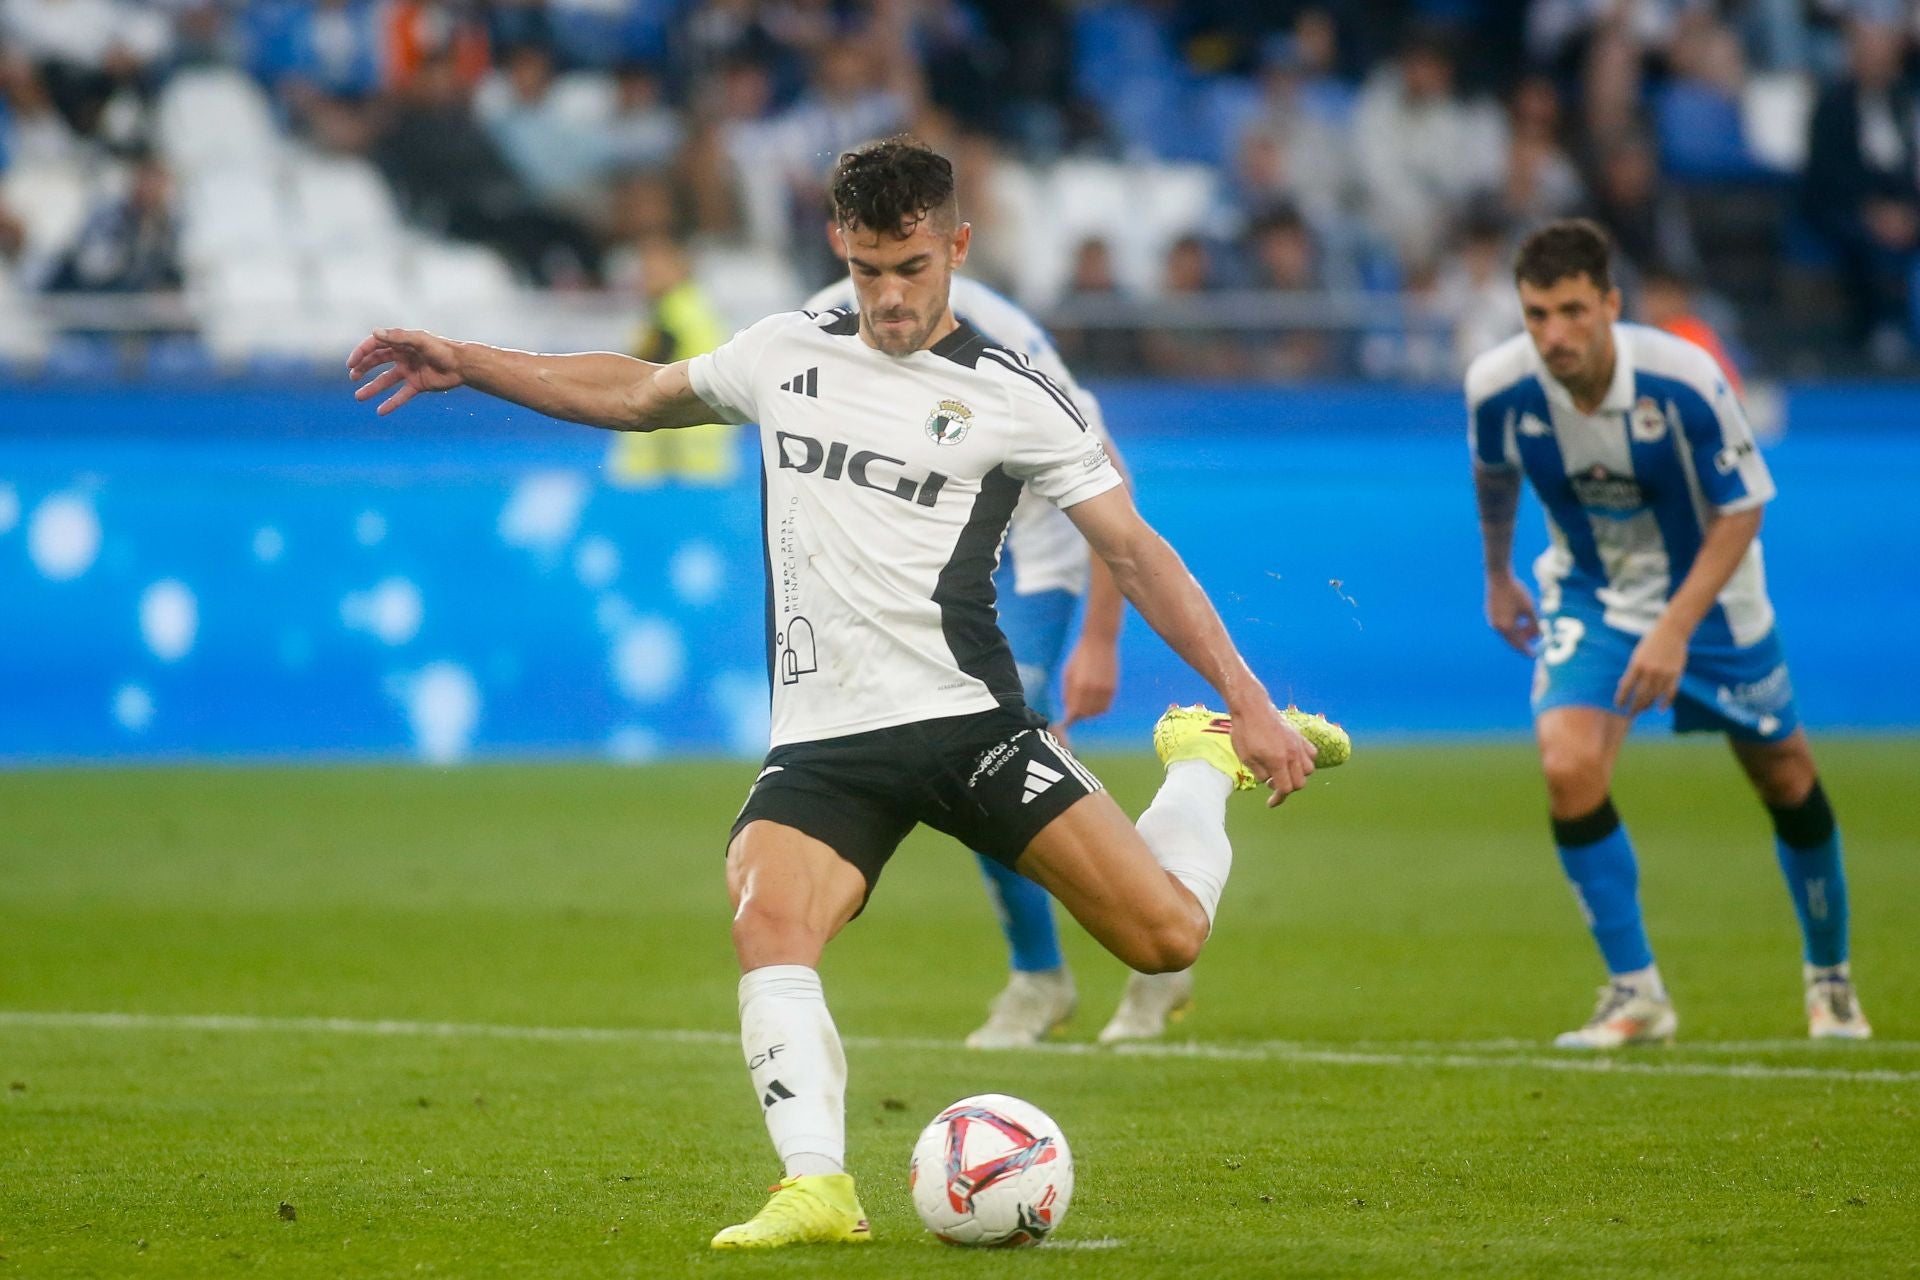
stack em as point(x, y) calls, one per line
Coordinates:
point(894, 444)
point(1651, 594)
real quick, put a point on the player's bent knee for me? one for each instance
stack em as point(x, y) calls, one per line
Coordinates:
point(1576, 774)
point(1167, 948)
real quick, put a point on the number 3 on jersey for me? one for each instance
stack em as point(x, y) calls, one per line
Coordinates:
point(1562, 636)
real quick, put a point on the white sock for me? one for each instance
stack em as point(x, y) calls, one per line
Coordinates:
point(1186, 828)
point(1646, 981)
point(798, 1070)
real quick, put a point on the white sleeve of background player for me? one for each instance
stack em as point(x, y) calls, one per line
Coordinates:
point(725, 378)
point(1052, 450)
point(1731, 472)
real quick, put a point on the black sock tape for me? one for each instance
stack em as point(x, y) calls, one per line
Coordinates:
point(1807, 825)
point(1592, 828)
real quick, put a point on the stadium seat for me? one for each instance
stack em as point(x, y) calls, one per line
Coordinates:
point(227, 211)
point(342, 203)
point(1775, 110)
point(51, 200)
point(745, 284)
point(22, 338)
point(211, 118)
point(357, 290)
point(252, 303)
point(458, 288)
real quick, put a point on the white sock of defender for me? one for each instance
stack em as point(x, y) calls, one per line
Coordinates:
point(798, 1070)
point(1186, 828)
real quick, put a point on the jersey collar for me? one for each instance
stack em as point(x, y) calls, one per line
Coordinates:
point(1619, 397)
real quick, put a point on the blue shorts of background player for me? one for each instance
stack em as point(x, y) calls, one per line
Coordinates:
point(1744, 692)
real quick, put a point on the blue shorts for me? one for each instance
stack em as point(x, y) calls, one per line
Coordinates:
point(1745, 693)
point(1036, 627)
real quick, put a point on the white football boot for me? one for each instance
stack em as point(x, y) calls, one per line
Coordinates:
point(1150, 1003)
point(1833, 1009)
point(1624, 1015)
point(1028, 1009)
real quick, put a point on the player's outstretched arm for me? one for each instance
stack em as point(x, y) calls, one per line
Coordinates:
point(1151, 575)
point(597, 388)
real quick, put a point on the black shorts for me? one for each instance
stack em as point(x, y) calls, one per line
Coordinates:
point(991, 780)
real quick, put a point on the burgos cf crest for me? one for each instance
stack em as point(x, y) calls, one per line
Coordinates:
point(948, 422)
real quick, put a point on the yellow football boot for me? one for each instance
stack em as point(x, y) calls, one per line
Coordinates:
point(817, 1208)
point(1195, 733)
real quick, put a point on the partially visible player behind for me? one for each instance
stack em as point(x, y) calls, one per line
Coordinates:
point(1046, 569)
point(1651, 594)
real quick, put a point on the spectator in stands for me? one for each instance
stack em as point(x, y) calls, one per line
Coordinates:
point(1474, 290)
point(129, 244)
point(1091, 286)
point(1649, 222)
point(1666, 302)
point(1284, 257)
point(450, 35)
point(1288, 149)
point(1860, 191)
point(1180, 348)
point(32, 130)
point(451, 178)
point(645, 132)
point(859, 90)
point(1696, 110)
point(1604, 44)
point(1423, 150)
point(558, 147)
point(1541, 182)
point(330, 47)
point(95, 57)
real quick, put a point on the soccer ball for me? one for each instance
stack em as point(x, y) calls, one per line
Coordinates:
point(991, 1171)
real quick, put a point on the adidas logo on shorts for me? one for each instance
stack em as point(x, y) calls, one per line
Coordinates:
point(1039, 778)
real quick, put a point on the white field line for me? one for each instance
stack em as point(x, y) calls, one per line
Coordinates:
point(1485, 1055)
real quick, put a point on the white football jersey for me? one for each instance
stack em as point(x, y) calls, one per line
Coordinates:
point(887, 485)
point(1048, 553)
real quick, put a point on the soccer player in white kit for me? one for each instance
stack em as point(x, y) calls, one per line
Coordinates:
point(1651, 594)
point(895, 442)
point(1046, 570)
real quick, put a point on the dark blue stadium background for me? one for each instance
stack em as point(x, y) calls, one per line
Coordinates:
point(277, 573)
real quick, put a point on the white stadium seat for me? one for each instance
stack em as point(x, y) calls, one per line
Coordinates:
point(342, 203)
point(52, 200)
point(230, 211)
point(213, 118)
point(745, 284)
point(1775, 109)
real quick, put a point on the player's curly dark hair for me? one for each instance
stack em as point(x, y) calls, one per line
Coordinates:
point(1565, 248)
point(892, 185)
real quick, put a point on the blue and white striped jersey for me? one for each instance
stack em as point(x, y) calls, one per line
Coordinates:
point(1630, 488)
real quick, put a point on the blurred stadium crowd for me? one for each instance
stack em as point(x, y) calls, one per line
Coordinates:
point(1213, 188)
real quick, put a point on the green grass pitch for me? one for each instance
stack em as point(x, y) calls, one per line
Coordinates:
point(481, 1023)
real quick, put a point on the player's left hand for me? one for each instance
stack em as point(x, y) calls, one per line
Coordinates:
point(1089, 680)
point(1272, 749)
point(1653, 673)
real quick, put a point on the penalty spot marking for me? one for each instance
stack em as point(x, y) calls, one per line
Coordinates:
point(1423, 1055)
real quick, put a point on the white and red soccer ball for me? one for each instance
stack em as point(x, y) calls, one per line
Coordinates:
point(991, 1171)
